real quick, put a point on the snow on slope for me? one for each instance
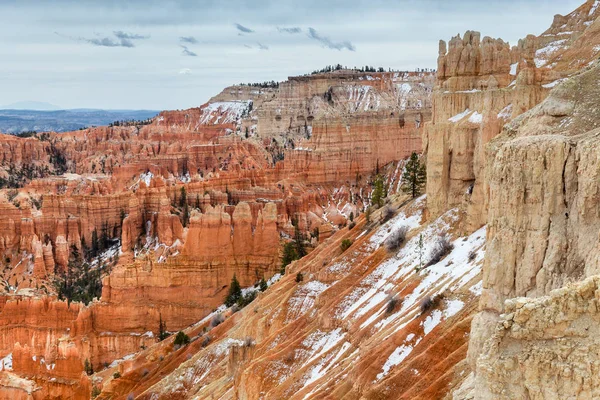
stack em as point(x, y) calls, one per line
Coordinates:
point(314, 334)
point(224, 112)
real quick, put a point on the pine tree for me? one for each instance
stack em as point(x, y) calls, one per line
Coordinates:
point(186, 215)
point(299, 242)
point(414, 176)
point(183, 197)
point(235, 292)
point(368, 215)
point(263, 285)
point(87, 366)
point(289, 254)
point(95, 244)
point(378, 192)
point(162, 329)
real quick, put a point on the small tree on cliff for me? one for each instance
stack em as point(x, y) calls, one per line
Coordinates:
point(289, 255)
point(87, 366)
point(263, 285)
point(162, 329)
point(299, 242)
point(235, 292)
point(414, 176)
point(378, 192)
point(183, 197)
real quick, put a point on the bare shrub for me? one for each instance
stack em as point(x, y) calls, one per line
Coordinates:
point(441, 248)
point(206, 341)
point(395, 240)
point(429, 303)
point(248, 341)
point(472, 255)
point(290, 357)
point(216, 320)
point(130, 396)
point(387, 214)
point(391, 303)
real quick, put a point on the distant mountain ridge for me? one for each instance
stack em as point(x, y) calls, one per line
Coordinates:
point(14, 121)
point(31, 105)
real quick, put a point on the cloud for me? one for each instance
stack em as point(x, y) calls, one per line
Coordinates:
point(185, 71)
point(121, 39)
point(187, 52)
point(262, 46)
point(247, 46)
point(124, 35)
point(188, 39)
point(243, 29)
point(326, 42)
point(291, 31)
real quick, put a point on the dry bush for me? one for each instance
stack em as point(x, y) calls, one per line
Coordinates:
point(429, 303)
point(216, 320)
point(387, 214)
point(441, 248)
point(395, 240)
point(392, 303)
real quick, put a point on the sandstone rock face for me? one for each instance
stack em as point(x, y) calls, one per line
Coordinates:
point(544, 348)
point(481, 85)
point(544, 168)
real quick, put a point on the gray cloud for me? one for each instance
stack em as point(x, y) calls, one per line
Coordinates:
point(291, 31)
point(188, 39)
point(243, 29)
point(262, 46)
point(326, 42)
point(121, 39)
point(187, 52)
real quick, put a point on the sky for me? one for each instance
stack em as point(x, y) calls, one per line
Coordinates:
point(176, 54)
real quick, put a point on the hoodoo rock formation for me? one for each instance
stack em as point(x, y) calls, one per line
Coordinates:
point(172, 209)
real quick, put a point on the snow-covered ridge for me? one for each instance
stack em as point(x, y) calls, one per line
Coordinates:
point(225, 112)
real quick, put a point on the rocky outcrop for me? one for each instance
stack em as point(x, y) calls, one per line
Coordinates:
point(544, 168)
point(481, 85)
point(544, 348)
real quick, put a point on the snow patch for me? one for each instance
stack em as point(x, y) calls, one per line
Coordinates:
point(460, 116)
point(476, 118)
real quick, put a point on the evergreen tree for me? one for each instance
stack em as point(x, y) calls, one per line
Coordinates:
point(183, 197)
point(162, 329)
point(299, 242)
point(263, 285)
point(378, 192)
point(87, 366)
point(414, 176)
point(186, 215)
point(289, 255)
point(95, 244)
point(235, 292)
point(198, 201)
